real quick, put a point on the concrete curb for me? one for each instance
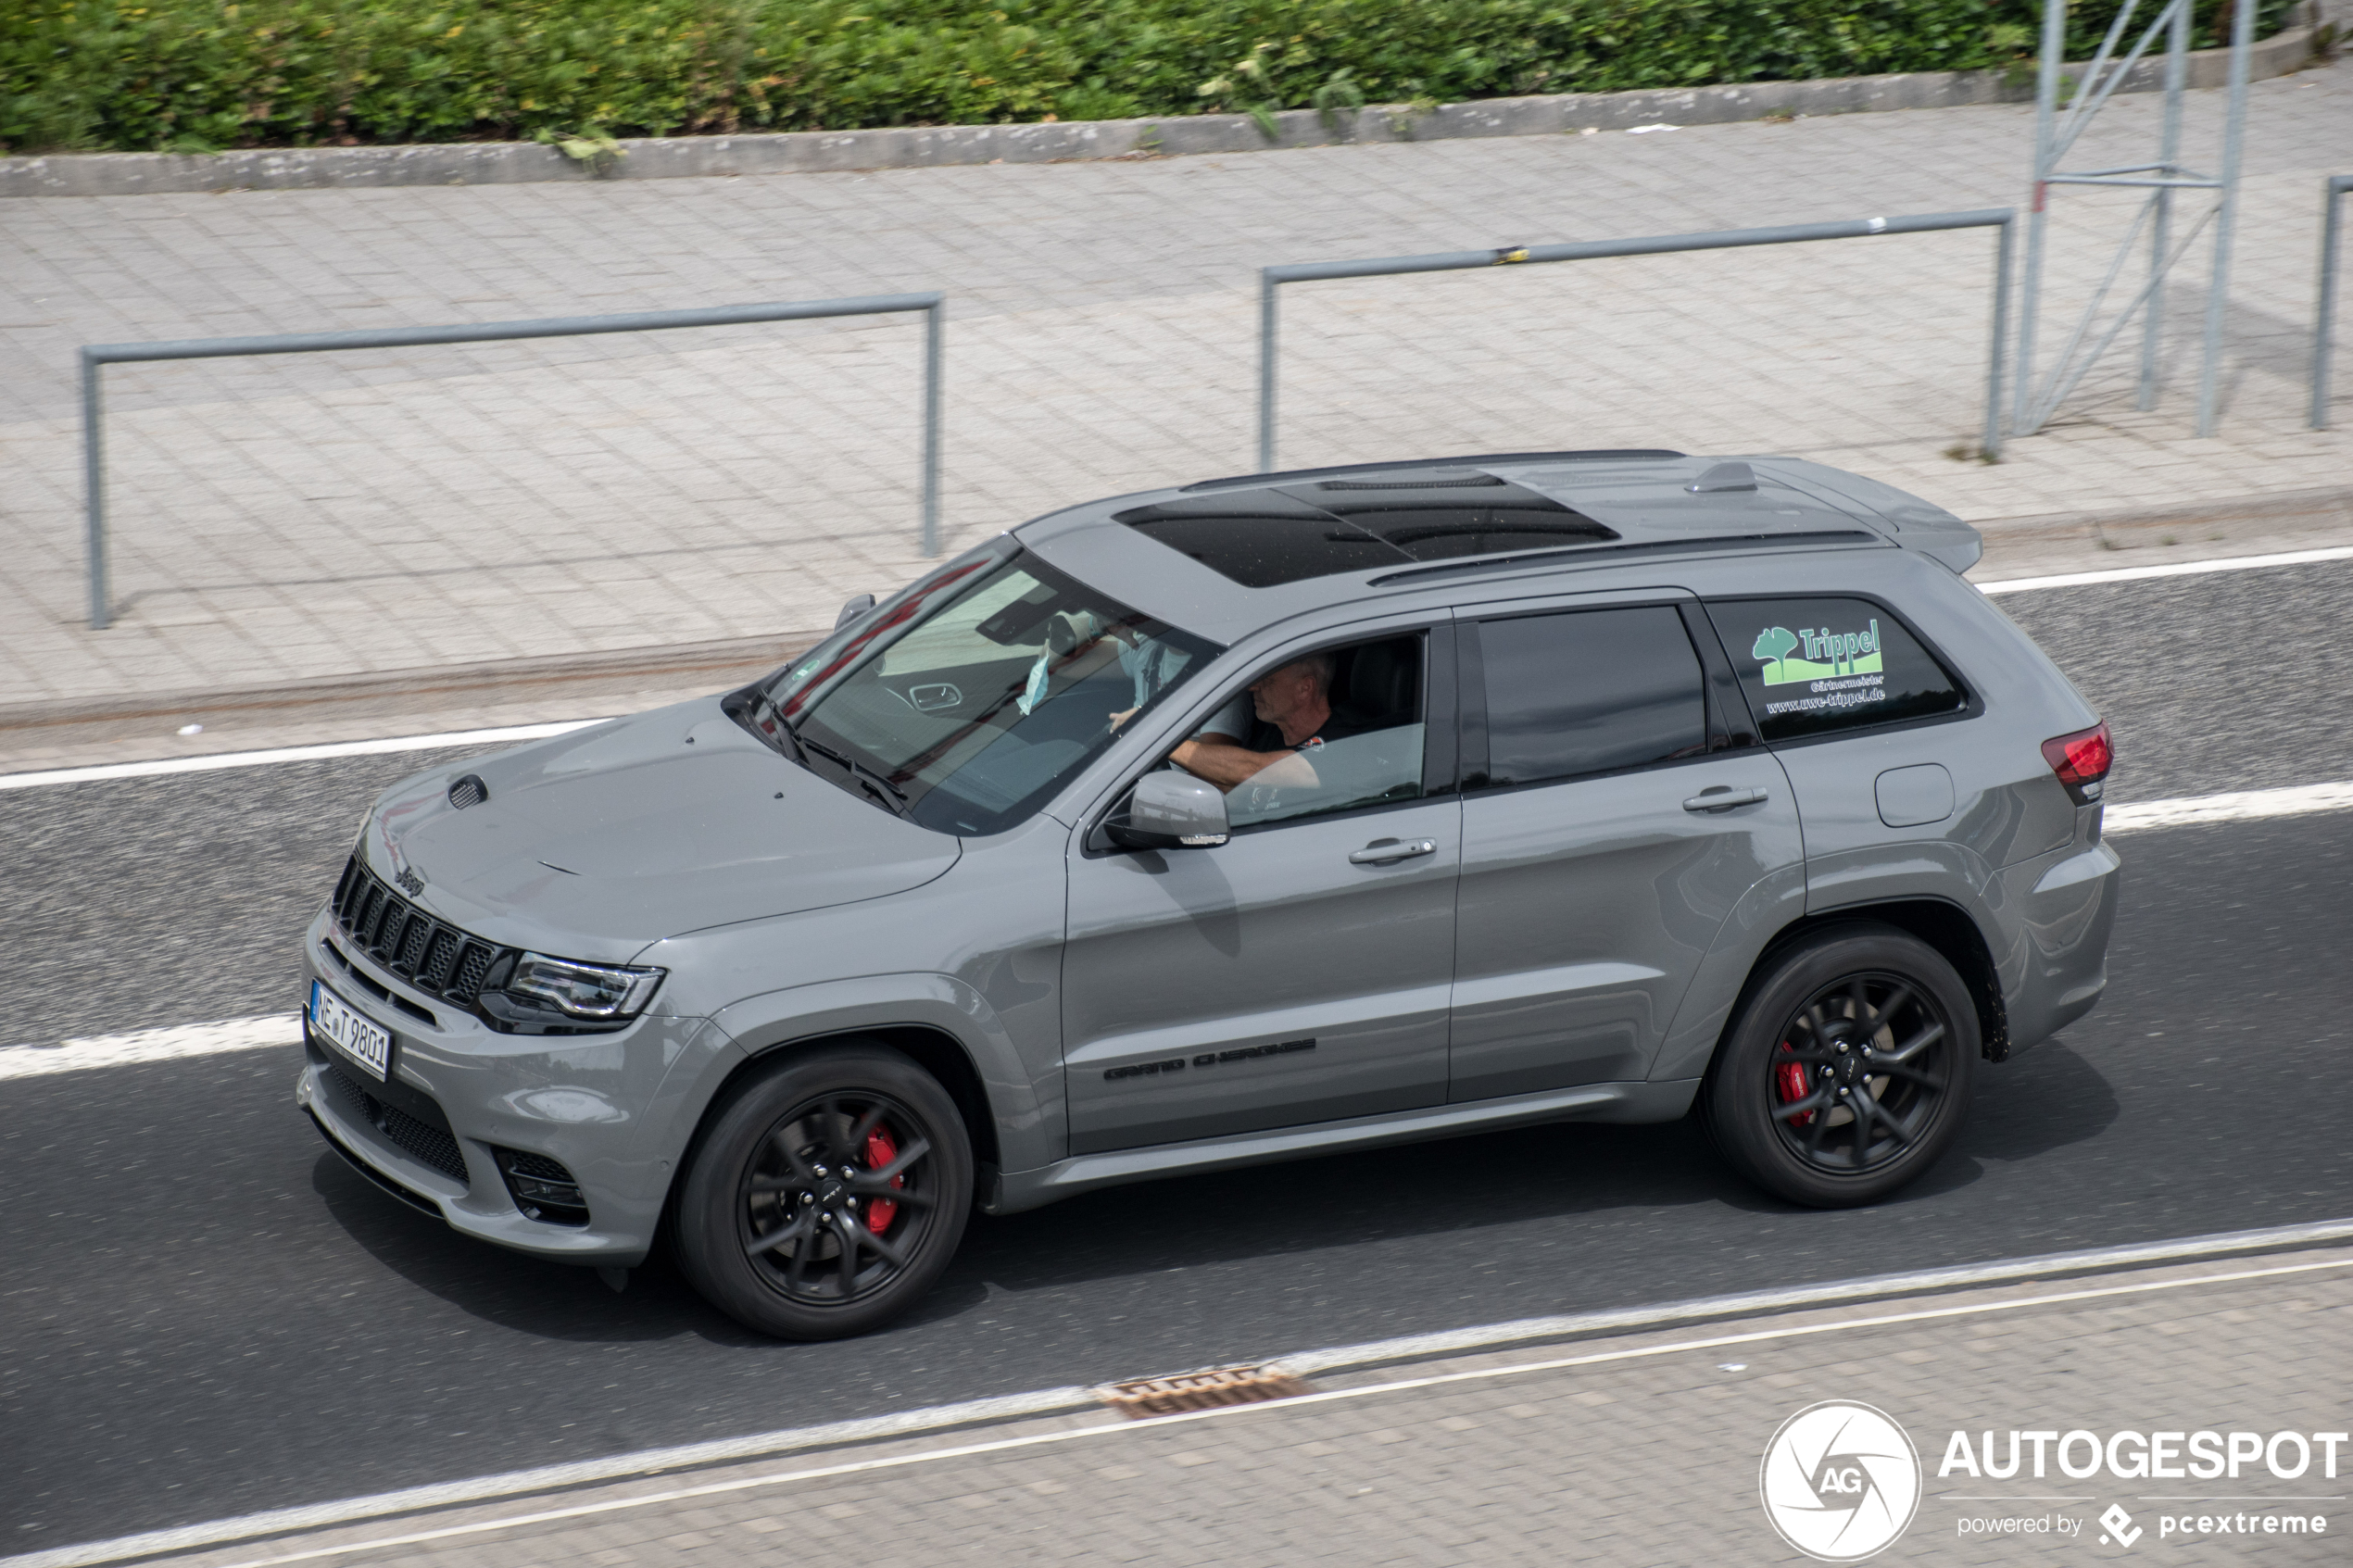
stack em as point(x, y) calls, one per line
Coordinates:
point(800, 151)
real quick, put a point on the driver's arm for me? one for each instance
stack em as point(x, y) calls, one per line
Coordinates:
point(1225, 762)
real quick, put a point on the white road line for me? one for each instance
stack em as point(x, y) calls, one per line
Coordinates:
point(2177, 569)
point(223, 1531)
point(144, 1046)
point(162, 766)
point(2239, 806)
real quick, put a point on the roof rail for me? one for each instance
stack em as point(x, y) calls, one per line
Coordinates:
point(1640, 546)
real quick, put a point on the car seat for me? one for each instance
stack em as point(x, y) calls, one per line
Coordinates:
point(1378, 684)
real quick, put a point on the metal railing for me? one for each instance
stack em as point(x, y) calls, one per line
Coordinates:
point(2325, 318)
point(99, 355)
point(2002, 218)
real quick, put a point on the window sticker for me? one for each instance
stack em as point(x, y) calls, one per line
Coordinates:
point(1818, 664)
point(1836, 669)
point(1828, 654)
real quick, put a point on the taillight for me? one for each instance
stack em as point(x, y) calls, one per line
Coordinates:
point(2081, 762)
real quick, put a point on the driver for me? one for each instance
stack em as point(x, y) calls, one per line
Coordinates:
point(1289, 715)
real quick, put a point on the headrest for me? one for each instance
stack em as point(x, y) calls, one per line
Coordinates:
point(1379, 681)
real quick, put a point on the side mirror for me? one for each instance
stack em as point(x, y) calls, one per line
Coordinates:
point(1172, 811)
point(853, 610)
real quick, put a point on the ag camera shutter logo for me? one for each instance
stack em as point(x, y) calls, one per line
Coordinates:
point(1839, 1480)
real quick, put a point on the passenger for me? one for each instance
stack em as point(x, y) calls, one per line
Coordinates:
point(1291, 715)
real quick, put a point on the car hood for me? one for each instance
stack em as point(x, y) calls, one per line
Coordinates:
point(597, 843)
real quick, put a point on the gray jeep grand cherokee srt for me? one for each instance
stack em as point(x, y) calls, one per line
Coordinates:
point(1625, 784)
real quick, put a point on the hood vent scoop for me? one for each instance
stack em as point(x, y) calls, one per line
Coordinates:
point(468, 791)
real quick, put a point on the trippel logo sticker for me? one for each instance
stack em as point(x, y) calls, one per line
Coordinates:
point(1827, 654)
point(1839, 1480)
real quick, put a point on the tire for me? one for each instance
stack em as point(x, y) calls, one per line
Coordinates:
point(851, 1151)
point(1791, 1100)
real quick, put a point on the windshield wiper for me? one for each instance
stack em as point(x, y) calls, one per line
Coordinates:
point(784, 727)
point(747, 712)
point(882, 789)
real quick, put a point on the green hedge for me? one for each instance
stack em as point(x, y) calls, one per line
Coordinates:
point(197, 76)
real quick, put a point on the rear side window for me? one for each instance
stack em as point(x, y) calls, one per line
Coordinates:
point(1589, 691)
point(1815, 666)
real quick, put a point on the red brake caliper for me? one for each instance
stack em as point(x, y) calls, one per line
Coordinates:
point(1789, 1078)
point(880, 1151)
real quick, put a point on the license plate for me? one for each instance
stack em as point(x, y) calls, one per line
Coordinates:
point(361, 1040)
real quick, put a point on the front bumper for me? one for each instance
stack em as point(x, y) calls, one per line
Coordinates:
point(459, 1091)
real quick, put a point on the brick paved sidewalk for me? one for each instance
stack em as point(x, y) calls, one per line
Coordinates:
point(1638, 1450)
point(287, 520)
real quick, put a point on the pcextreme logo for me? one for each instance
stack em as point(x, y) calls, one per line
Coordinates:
point(1839, 1480)
point(1827, 654)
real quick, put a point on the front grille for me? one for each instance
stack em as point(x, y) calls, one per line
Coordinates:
point(435, 957)
point(420, 1139)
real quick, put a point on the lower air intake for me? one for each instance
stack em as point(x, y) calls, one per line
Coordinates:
point(415, 1136)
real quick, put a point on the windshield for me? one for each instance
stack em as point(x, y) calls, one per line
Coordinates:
point(963, 703)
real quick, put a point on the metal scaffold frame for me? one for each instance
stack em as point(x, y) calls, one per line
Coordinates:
point(2056, 129)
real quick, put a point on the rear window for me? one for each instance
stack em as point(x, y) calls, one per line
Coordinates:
point(1822, 666)
point(1590, 691)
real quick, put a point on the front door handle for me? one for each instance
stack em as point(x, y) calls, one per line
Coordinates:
point(1723, 797)
point(1382, 851)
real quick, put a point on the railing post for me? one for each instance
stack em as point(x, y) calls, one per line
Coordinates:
point(1991, 444)
point(934, 335)
point(2325, 321)
point(94, 487)
point(2046, 91)
point(2168, 153)
point(1267, 369)
point(2218, 288)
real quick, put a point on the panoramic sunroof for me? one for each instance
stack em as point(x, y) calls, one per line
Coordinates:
point(1363, 522)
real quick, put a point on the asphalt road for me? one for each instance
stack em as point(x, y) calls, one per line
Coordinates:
point(203, 1312)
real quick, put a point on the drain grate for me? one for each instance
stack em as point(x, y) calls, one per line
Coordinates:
point(1143, 1397)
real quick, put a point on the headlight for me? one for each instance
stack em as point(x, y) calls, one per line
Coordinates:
point(583, 990)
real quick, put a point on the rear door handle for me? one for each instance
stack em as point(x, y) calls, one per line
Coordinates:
point(1723, 797)
point(1382, 851)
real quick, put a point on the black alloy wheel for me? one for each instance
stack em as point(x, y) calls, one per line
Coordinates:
point(836, 1198)
point(1859, 1072)
point(827, 1194)
point(1847, 1072)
